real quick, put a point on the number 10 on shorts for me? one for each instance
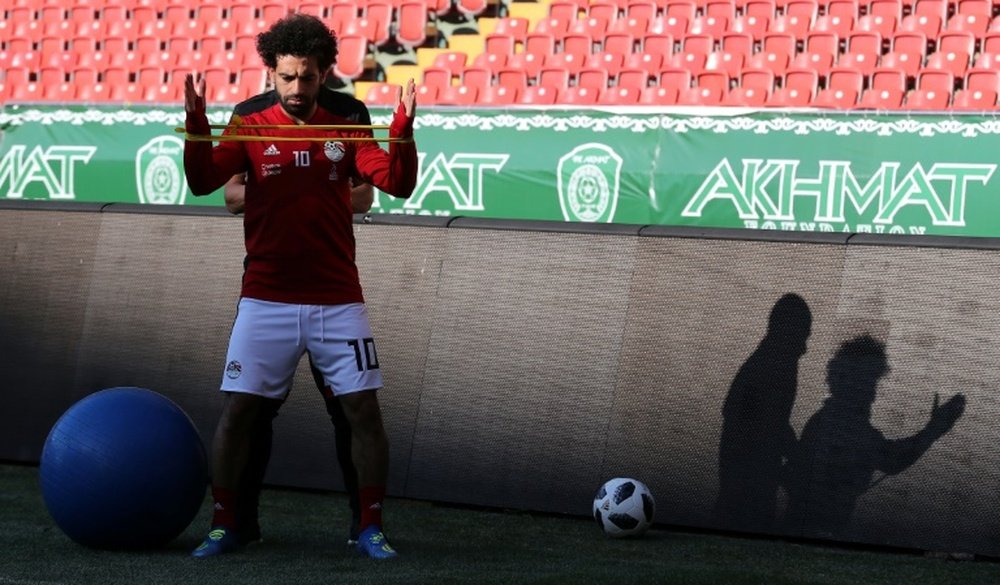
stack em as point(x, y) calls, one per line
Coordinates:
point(367, 346)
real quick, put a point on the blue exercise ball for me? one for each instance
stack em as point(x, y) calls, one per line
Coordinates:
point(124, 468)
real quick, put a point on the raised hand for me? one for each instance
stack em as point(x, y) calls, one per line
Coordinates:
point(194, 94)
point(409, 98)
point(944, 416)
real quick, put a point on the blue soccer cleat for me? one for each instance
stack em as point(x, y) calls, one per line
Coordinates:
point(218, 542)
point(372, 544)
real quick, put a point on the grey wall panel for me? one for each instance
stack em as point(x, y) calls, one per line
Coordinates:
point(746, 382)
point(703, 405)
point(46, 258)
point(940, 322)
point(520, 369)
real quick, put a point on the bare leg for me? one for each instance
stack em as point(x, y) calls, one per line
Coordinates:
point(369, 443)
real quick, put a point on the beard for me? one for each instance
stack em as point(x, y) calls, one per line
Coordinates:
point(300, 109)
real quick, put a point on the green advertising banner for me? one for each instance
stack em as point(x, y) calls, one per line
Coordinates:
point(729, 168)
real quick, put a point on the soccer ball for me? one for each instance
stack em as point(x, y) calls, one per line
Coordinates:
point(624, 507)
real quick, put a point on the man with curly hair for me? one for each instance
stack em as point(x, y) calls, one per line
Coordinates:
point(301, 292)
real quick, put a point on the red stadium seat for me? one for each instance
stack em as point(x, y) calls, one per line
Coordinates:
point(838, 99)
point(609, 62)
point(926, 99)
point(708, 25)
point(888, 78)
point(755, 26)
point(700, 96)
point(883, 25)
point(641, 9)
point(983, 79)
point(470, 8)
point(729, 63)
point(840, 24)
point(497, 95)
point(513, 77)
point(651, 63)
point(557, 79)
point(569, 61)
point(987, 61)
point(352, 50)
point(820, 62)
point(936, 8)
point(713, 80)
point(436, 77)
point(927, 24)
point(411, 30)
point(746, 97)
point(658, 96)
point(795, 25)
point(537, 95)
point(741, 43)
point(956, 63)
point(939, 80)
point(977, 24)
point(881, 99)
point(383, 94)
point(596, 79)
point(579, 44)
point(660, 44)
point(453, 61)
point(974, 99)
point(492, 61)
point(913, 43)
point(788, 97)
point(845, 78)
point(888, 8)
point(632, 25)
point(675, 78)
point(564, 10)
point(540, 44)
point(456, 95)
point(686, 9)
point(477, 77)
point(760, 79)
point(804, 81)
point(529, 62)
point(578, 96)
point(499, 43)
point(619, 96)
point(908, 63)
point(514, 27)
point(776, 62)
point(675, 26)
point(637, 78)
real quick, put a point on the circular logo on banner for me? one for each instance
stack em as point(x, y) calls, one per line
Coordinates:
point(159, 179)
point(588, 179)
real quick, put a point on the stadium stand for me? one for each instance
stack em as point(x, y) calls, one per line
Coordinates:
point(872, 54)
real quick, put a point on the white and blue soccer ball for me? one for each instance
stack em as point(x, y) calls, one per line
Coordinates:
point(624, 507)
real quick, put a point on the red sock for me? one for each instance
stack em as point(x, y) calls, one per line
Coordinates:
point(371, 497)
point(225, 507)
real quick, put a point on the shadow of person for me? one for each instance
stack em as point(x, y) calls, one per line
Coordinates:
point(756, 432)
point(840, 451)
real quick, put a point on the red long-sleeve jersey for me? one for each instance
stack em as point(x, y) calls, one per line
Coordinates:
point(297, 218)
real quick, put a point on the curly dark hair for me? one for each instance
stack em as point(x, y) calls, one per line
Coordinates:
point(298, 35)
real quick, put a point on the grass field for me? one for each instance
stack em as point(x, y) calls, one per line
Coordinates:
point(304, 544)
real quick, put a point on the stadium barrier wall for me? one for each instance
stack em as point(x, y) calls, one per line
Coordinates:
point(527, 362)
point(703, 167)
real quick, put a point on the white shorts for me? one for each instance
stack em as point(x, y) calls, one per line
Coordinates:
point(269, 338)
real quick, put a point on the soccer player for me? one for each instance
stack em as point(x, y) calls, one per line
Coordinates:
point(301, 291)
point(362, 195)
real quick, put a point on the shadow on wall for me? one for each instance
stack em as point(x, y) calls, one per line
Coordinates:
point(757, 436)
point(840, 451)
point(834, 462)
